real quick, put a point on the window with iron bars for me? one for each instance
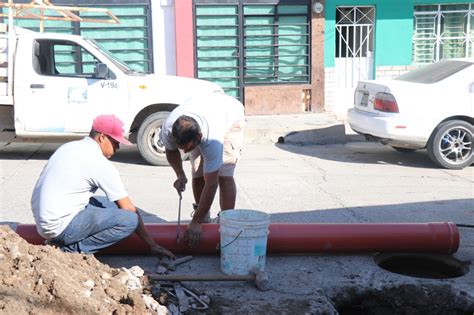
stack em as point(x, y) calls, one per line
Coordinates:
point(276, 44)
point(242, 42)
point(443, 31)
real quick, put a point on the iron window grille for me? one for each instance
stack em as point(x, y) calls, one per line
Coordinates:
point(443, 31)
point(252, 42)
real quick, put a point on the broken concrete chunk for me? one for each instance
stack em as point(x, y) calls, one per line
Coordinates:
point(153, 305)
point(137, 271)
point(130, 281)
point(13, 249)
point(89, 284)
point(133, 284)
point(106, 276)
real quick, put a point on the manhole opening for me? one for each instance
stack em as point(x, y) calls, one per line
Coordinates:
point(421, 265)
point(403, 300)
point(438, 298)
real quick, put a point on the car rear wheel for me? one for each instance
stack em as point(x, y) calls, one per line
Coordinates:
point(148, 139)
point(451, 145)
point(404, 150)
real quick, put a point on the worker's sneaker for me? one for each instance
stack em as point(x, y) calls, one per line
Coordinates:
point(216, 219)
point(207, 218)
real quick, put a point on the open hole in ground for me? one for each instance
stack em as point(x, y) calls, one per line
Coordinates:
point(422, 265)
point(404, 299)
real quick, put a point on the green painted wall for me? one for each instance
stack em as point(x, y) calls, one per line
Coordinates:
point(393, 29)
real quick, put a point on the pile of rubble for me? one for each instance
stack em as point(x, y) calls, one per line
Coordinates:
point(44, 280)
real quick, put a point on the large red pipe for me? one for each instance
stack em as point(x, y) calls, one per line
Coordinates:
point(438, 237)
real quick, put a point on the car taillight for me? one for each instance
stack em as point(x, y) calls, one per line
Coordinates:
point(385, 102)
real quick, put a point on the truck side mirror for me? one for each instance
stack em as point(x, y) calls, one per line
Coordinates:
point(101, 71)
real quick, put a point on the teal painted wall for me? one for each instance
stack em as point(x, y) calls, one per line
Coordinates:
point(440, 2)
point(393, 29)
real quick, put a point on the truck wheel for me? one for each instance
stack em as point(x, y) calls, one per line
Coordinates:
point(148, 139)
point(451, 145)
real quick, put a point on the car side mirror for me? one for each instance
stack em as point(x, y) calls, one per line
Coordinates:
point(471, 87)
point(101, 71)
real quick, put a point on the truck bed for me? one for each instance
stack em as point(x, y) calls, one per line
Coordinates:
point(6, 118)
point(5, 99)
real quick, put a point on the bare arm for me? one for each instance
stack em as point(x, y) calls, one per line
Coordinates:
point(174, 158)
point(211, 182)
point(194, 231)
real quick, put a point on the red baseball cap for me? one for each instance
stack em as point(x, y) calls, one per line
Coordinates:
point(110, 126)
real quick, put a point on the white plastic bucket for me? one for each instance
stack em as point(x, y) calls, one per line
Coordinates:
point(243, 243)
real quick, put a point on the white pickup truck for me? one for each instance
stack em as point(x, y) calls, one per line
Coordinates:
point(53, 85)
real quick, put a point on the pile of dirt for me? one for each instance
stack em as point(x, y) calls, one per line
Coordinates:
point(44, 280)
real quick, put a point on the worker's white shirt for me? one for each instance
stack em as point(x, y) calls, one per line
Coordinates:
point(71, 177)
point(215, 113)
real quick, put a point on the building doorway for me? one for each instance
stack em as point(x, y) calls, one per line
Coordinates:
point(354, 55)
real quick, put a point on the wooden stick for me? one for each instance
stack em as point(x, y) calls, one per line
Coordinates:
point(215, 277)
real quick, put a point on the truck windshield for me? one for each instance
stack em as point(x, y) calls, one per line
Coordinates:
point(435, 72)
point(121, 65)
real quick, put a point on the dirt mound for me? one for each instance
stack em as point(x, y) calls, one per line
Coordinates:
point(44, 280)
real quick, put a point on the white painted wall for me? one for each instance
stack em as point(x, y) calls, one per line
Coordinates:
point(164, 39)
point(337, 102)
point(390, 72)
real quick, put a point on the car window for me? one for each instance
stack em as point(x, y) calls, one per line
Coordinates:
point(63, 58)
point(435, 72)
point(73, 60)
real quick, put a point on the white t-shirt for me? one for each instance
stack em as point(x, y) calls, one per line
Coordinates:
point(215, 113)
point(73, 174)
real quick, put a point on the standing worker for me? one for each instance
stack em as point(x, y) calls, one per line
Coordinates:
point(65, 212)
point(211, 128)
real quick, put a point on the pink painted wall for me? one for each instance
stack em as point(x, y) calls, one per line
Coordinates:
point(184, 38)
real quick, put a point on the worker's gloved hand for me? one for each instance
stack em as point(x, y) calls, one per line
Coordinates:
point(161, 251)
point(193, 234)
point(180, 183)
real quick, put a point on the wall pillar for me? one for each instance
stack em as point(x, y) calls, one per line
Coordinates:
point(317, 60)
point(184, 38)
point(164, 40)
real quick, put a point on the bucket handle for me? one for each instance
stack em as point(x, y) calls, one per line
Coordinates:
point(232, 240)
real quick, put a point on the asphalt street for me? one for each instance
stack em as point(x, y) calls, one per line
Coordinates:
point(355, 182)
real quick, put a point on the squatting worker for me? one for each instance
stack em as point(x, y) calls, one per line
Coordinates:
point(211, 128)
point(65, 212)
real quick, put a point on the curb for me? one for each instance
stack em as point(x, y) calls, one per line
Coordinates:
point(301, 129)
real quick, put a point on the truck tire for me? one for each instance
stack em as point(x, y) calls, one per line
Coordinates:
point(450, 145)
point(148, 139)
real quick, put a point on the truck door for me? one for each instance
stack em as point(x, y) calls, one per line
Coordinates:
point(63, 95)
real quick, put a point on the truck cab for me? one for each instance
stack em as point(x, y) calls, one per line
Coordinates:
point(61, 82)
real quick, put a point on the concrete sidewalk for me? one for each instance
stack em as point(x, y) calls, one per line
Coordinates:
point(306, 128)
